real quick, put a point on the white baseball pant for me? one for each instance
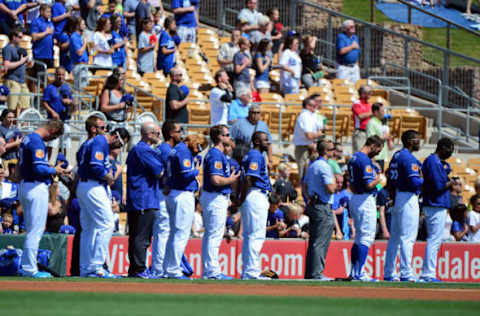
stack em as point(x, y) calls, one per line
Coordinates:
point(435, 219)
point(161, 230)
point(364, 214)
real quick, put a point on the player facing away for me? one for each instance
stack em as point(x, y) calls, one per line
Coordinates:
point(436, 201)
point(254, 205)
point(33, 191)
point(214, 199)
point(405, 178)
point(364, 179)
point(94, 197)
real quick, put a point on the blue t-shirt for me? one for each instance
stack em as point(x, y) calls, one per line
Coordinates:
point(76, 42)
point(255, 166)
point(383, 199)
point(53, 95)
point(341, 199)
point(262, 76)
point(42, 49)
point(164, 150)
point(402, 168)
point(216, 163)
point(165, 62)
point(458, 227)
point(65, 60)
point(237, 110)
point(244, 75)
point(352, 56)
point(184, 19)
point(119, 56)
point(143, 169)
point(435, 177)
point(362, 173)
point(58, 9)
point(10, 53)
point(94, 163)
point(12, 5)
point(272, 219)
point(33, 160)
point(181, 169)
point(318, 175)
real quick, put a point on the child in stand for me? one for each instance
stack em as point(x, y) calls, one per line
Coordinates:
point(275, 223)
point(473, 219)
point(158, 20)
point(7, 227)
point(459, 225)
point(283, 187)
point(146, 48)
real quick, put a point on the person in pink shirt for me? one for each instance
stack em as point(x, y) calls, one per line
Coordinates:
point(362, 111)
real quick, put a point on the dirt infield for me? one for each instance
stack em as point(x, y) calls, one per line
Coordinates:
point(246, 289)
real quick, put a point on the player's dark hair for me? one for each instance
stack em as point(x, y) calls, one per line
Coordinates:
point(376, 107)
point(457, 213)
point(56, 125)
point(217, 131)
point(6, 112)
point(256, 137)
point(91, 122)
point(445, 143)
point(322, 147)
point(167, 127)
point(374, 140)
point(408, 136)
point(274, 199)
point(43, 7)
point(122, 132)
point(474, 199)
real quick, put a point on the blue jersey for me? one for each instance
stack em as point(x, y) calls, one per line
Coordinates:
point(165, 62)
point(143, 169)
point(185, 19)
point(234, 166)
point(53, 95)
point(255, 166)
point(76, 42)
point(58, 9)
point(362, 173)
point(181, 169)
point(164, 150)
point(216, 163)
point(435, 177)
point(94, 163)
point(43, 48)
point(402, 168)
point(33, 160)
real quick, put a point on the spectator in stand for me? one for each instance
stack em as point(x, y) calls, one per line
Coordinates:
point(166, 47)
point(312, 70)
point(186, 16)
point(262, 33)
point(332, 162)
point(75, 6)
point(239, 107)
point(60, 14)
point(308, 127)
point(114, 100)
point(460, 227)
point(78, 54)
point(293, 227)
point(102, 51)
point(277, 28)
point(283, 187)
point(118, 43)
point(15, 61)
point(348, 52)
point(63, 41)
point(198, 228)
point(241, 25)
point(142, 12)
point(56, 217)
point(263, 62)
point(251, 15)
point(362, 112)
point(275, 222)
point(12, 14)
point(89, 11)
point(117, 169)
point(473, 219)
point(456, 192)
point(146, 48)
point(227, 51)
point(291, 66)
point(158, 22)
point(243, 128)
point(113, 9)
point(11, 134)
point(375, 126)
point(129, 7)
point(177, 98)
point(220, 98)
point(58, 102)
point(341, 198)
point(242, 61)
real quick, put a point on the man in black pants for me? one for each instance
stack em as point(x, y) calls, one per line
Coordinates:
point(144, 169)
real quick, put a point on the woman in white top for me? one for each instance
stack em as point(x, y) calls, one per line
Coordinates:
point(291, 67)
point(103, 51)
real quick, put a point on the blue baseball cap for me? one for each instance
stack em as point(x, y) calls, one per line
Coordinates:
point(185, 90)
point(292, 33)
point(116, 195)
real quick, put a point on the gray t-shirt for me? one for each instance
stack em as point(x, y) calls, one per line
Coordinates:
point(145, 60)
point(130, 6)
point(11, 54)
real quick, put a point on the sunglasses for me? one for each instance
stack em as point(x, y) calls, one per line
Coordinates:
point(226, 135)
point(101, 127)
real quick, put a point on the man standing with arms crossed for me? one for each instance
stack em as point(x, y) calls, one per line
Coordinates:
point(254, 205)
point(364, 179)
point(436, 201)
point(214, 200)
point(144, 170)
point(320, 187)
point(33, 191)
point(405, 176)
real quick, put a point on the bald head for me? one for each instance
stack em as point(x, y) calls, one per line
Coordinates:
point(146, 128)
point(150, 132)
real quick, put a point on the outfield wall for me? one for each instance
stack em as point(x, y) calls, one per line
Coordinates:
point(457, 262)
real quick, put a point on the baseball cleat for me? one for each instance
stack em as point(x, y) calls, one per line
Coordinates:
point(182, 277)
point(409, 279)
point(321, 279)
point(364, 278)
point(220, 276)
point(102, 274)
point(141, 275)
point(41, 275)
point(429, 280)
point(391, 279)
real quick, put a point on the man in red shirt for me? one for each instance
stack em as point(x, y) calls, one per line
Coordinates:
point(362, 111)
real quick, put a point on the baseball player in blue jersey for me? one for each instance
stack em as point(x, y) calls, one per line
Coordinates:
point(436, 201)
point(172, 134)
point(182, 178)
point(93, 193)
point(33, 191)
point(214, 199)
point(144, 170)
point(405, 177)
point(254, 205)
point(364, 179)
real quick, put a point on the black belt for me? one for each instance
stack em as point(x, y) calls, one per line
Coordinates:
point(213, 192)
